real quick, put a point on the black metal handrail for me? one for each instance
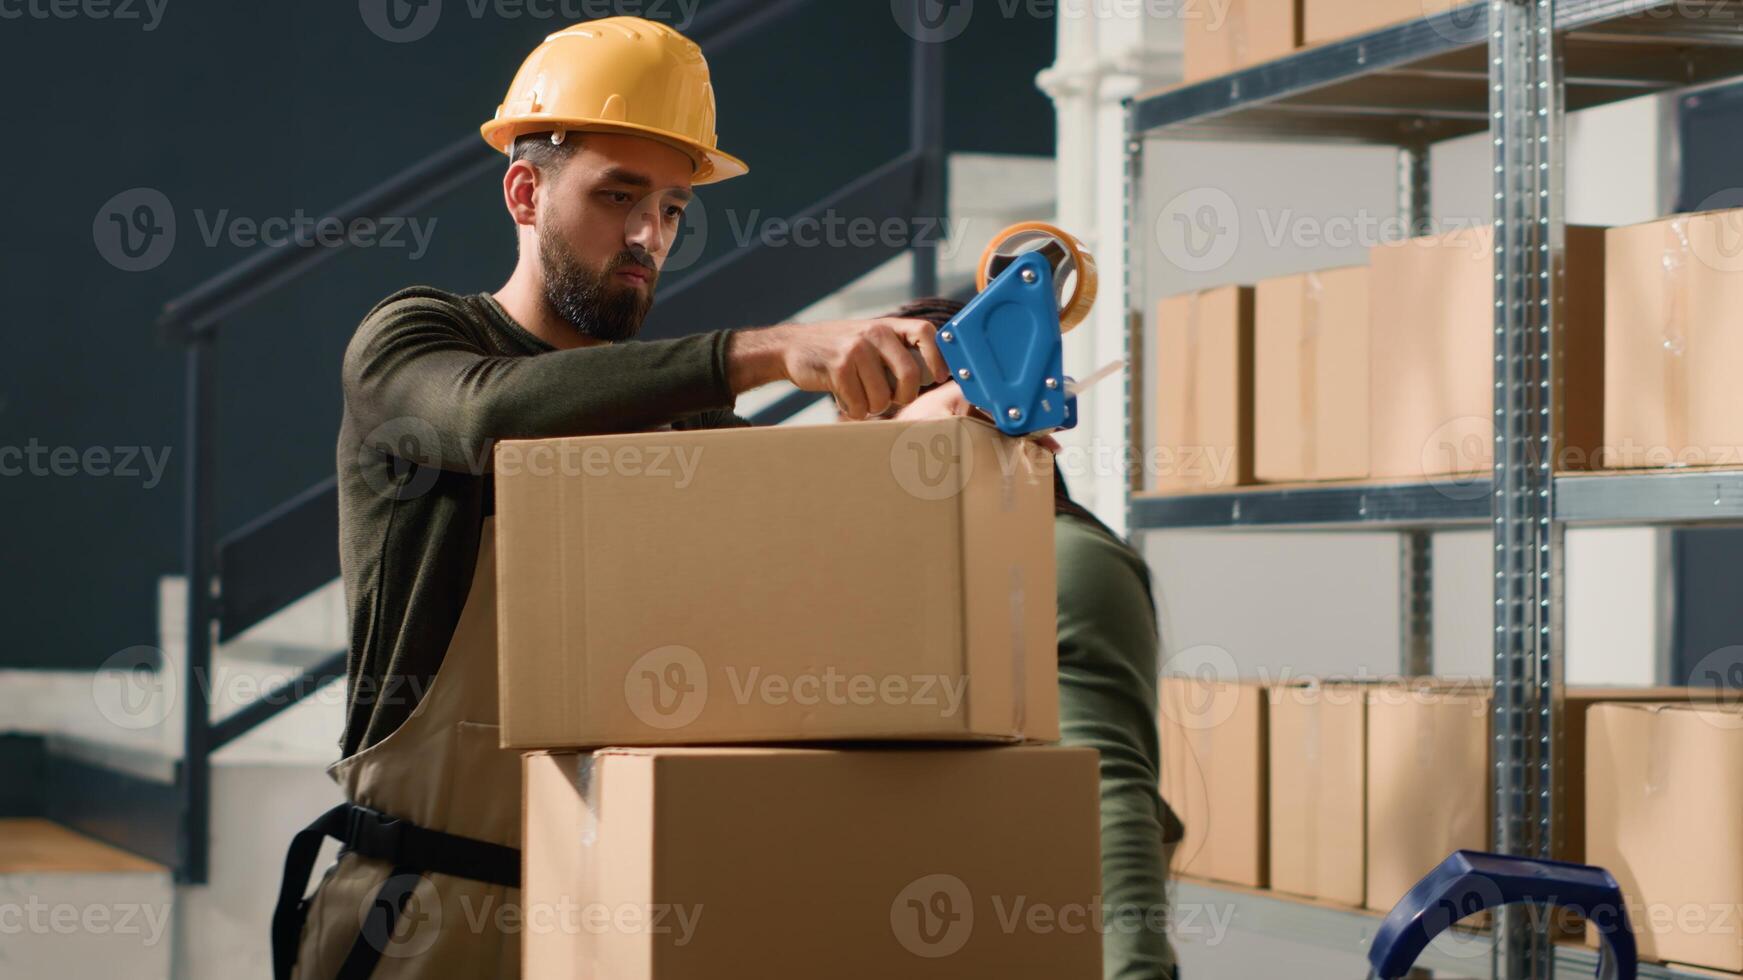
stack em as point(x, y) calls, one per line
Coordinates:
point(271, 267)
point(913, 184)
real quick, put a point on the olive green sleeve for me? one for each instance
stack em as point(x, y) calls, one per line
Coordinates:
point(1107, 701)
point(449, 396)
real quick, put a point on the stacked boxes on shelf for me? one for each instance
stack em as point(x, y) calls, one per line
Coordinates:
point(1664, 814)
point(695, 626)
point(1350, 792)
point(1324, 21)
point(1204, 344)
point(1310, 392)
point(1673, 288)
point(1383, 371)
point(1226, 37)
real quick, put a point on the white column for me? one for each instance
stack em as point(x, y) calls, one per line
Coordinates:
point(1108, 50)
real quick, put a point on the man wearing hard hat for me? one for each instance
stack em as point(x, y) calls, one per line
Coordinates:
point(607, 127)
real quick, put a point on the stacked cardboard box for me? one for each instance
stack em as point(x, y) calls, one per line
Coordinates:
point(1672, 291)
point(1432, 354)
point(1429, 776)
point(1318, 791)
point(1221, 38)
point(1664, 809)
point(1310, 373)
point(1334, 20)
point(666, 598)
point(1205, 389)
point(1350, 792)
point(1214, 744)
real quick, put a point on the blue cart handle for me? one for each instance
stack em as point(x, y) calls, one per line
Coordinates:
point(1469, 882)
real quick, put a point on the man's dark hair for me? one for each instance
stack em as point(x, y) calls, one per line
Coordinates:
point(537, 149)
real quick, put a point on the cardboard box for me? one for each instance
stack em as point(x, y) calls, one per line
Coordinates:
point(1432, 355)
point(1334, 20)
point(881, 580)
point(1672, 289)
point(1221, 38)
point(1429, 780)
point(1310, 376)
point(1213, 775)
point(853, 865)
point(1318, 788)
point(1205, 389)
point(1664, 806)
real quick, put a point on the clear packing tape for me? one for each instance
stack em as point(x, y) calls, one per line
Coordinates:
point(1312, 294)
point(1236, 21)
point(1673, 340)
point(1311, 747)
point(1189, 437)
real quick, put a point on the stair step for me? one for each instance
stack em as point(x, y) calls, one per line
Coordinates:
point(76, 907)
point(33, 846)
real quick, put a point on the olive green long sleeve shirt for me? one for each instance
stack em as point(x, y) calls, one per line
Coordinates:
point(1107, 700)
point(432, 380)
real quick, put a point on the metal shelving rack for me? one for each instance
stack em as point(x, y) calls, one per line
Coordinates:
point(1513, 68)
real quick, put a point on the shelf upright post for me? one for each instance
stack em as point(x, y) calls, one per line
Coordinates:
point(1527, 129)
point(1133, 243)
point(1416, 545)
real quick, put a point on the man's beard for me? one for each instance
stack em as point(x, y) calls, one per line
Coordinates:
point(594, 303)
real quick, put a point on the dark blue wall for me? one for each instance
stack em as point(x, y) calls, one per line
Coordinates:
point(255, 109)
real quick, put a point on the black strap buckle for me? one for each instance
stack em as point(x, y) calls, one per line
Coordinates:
point(374, 834)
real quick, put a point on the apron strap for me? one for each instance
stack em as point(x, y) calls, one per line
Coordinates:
point(377, 931)
point(413, 851)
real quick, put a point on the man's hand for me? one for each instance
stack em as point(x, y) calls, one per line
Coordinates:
point(947, 401)
point(868, 365)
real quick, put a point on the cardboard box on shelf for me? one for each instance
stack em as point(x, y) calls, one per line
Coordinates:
point(1318, 788)
point(880, 580)
point(1334, 20)
point(1213, 737)
point(1428, 781)
point(734, 864)
point(1432, 355)
point(1205, 389)
point(1310, 376)
point(1672, 289)
point(1664, 809)
point(1429, 788)
point(1220, 38)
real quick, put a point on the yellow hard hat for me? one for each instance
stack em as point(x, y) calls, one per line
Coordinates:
point(618, 75)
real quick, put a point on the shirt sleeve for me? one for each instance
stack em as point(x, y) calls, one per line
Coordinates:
point(422, 387)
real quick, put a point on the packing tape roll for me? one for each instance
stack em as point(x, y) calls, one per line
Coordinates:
point(1071, 260)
